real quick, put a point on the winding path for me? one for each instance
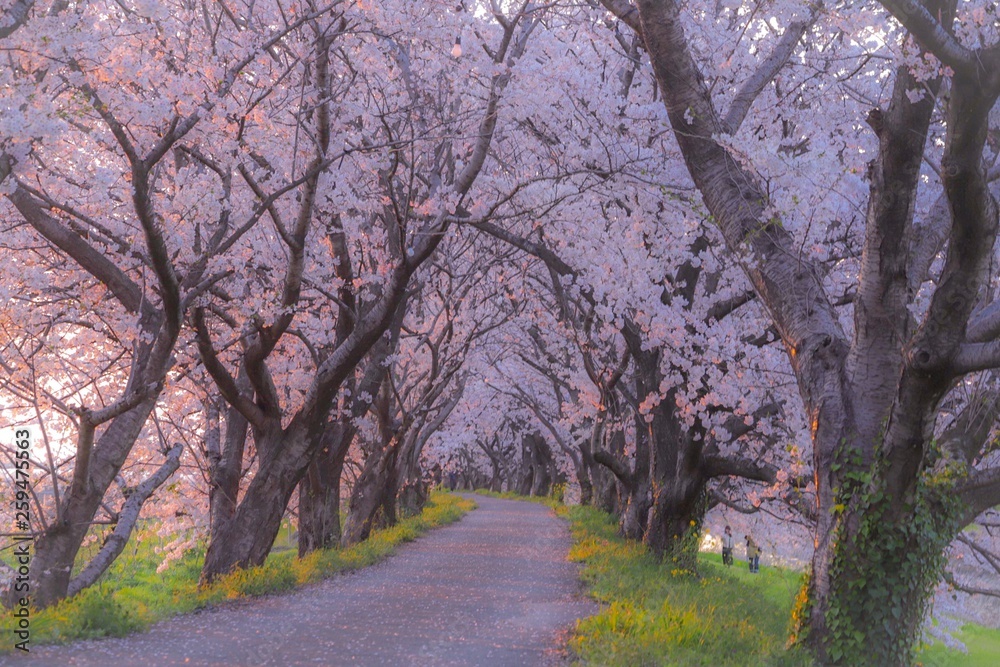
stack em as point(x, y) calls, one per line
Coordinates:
point(493, 589)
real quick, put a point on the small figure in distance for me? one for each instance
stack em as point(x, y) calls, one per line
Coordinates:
point(753, 554)
point(727, 546)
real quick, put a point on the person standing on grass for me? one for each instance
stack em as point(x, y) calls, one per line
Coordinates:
point(753, 554)
point(727, 546)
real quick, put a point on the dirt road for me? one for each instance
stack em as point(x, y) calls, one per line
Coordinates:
point(493, 589)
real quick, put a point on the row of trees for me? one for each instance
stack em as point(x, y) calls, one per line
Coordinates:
point(678, 256)
point(237, 222)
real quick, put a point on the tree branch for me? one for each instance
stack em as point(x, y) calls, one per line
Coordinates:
point(225, 382)
point(616, 466)
point(768, 69)
point(626, 12)
point(950, 579)
point(979, 492)
point(934, 37)
point(984, 325)
point(127, 518)
point(972, 357)
point(89, 259)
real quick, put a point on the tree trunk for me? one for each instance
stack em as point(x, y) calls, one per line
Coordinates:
point(411, 489)
point(496, 481)
point(888, 557)
point(675, 521)
point(541, 464)
point(636, 513)
point(57, 548)
point(412, 497)
point(372, 493)
point(635, 517)
point(679, 483)
point(583, 479)
point(525, 472)
point(226, 467)
point(607, 489)
point(666, 505)
point(246, 539)
point(319, 491)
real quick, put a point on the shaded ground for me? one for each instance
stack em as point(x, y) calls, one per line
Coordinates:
point(493, 589)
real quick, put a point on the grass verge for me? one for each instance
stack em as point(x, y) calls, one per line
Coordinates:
point(549, 501)
point(132, 594)
point(982, 643)
point(652, 616)
point(724, 617)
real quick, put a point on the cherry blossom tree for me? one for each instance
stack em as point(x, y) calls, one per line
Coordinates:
point(659, 322)
point(888, 499)
point(421, 179)
point(87, 141)
point(690, 254)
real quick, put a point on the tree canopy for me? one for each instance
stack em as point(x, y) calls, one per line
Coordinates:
point(668, 256)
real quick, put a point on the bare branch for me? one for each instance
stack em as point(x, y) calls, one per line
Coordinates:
point(988, 556)
point(949, 577)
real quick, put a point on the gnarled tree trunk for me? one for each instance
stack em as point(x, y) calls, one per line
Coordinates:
point(373, 493)
point(246, 539)
point(319, 491)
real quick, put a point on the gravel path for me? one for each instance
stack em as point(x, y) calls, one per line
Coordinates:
point(493, 589)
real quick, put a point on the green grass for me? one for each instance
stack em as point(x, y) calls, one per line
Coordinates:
point(982, 643)
point(654, 616)
point(725, 616)
point(132, 595)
